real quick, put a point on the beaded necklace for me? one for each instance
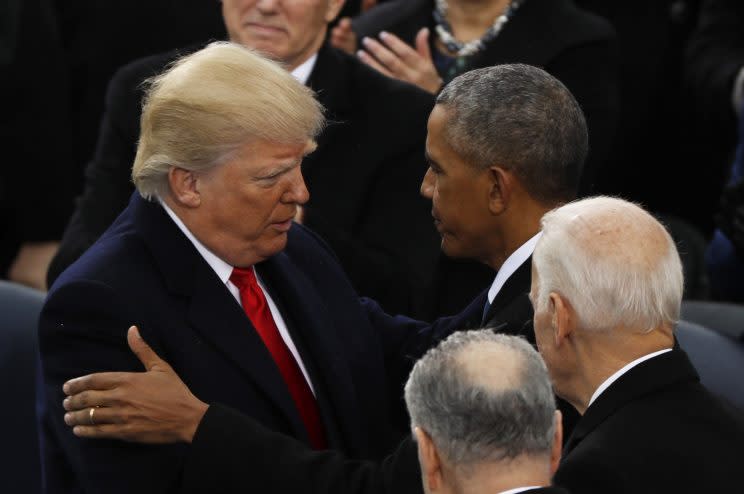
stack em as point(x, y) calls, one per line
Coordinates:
point(460, 49)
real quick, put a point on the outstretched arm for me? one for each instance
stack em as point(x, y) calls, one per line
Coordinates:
point(229, 450)
point(147, 407)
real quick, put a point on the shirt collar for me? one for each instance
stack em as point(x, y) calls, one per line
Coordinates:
point(520, 489)
point(302, 72)
point(220, 267)
point(512, 263)
point(602, 387)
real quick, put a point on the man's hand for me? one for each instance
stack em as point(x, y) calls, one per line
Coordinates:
point(342, 36)
point(146, 407)
point(396, 59)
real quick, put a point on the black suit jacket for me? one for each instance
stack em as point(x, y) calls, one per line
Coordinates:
point(363, 178)
point(144, 271)
point(655, 429)
point(576, 47)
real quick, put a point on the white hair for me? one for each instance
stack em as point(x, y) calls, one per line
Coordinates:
point(614, 263)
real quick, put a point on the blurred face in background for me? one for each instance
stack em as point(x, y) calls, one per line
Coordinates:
point(288, 31)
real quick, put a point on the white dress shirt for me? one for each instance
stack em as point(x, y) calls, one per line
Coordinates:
point(511, 264)
point(223, 271)
point(520, 489)
point(302, 72)
point(602, 387)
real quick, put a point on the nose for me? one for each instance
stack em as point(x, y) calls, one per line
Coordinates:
point(427, 184)
point(297, 192)
point(266, 6)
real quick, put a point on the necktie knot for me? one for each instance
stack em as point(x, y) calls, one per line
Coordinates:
point(243, 278)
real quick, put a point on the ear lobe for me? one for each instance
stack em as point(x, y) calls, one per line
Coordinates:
point(184, 186)
point(499, 189)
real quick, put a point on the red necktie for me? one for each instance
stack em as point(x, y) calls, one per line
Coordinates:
point(257, 310)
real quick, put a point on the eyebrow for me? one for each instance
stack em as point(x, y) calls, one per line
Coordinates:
point(279, 169)
point(431, 161)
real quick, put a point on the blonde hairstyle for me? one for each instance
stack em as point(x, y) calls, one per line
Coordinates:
point(613, 261)
point(208, 104)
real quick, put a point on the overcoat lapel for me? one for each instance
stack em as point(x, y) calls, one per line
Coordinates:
point(313, 325)
point(212, 311)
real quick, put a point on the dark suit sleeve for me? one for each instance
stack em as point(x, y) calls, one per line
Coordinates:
point(232, 453)
point(107, 178)
point(82, 329)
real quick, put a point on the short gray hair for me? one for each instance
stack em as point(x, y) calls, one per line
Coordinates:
point(210, 103)
point(523, 119)
point(613, 261)
point(483, 413)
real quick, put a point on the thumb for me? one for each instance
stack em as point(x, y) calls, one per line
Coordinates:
point(422, 43)
point(144, 353)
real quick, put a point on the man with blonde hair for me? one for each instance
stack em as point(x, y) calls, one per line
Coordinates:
point(250, 308)
point(363, 177)
point(607, 286)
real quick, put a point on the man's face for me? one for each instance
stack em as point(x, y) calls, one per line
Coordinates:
point(247, 204)
point(289, 31)
point(459, 193)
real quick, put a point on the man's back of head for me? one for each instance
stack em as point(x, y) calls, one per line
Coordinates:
point(484, 416)
point(607, 288)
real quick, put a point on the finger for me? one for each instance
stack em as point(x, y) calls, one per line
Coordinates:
point(408, 55)
point(384, 57)
point(99, 381)
point(370, 60)
point(102, 415)
point(422, 43)
point(344, 24)
point(88, 399)
point(144, 353)
point(106, 431)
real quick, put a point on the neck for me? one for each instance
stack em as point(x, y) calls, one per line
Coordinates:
point(599, 356)
point(501, 476)
point(519, 225)
point(470, 19)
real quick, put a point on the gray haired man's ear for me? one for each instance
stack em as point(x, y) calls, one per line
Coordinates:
point(431, 464)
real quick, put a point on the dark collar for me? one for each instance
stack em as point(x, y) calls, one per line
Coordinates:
point(518, 284)
point(646, 378)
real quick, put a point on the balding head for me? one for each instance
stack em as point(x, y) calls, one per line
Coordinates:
point(483, 397)
point(614, 263)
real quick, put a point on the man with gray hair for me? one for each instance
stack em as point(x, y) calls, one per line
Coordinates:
point(484, 416)
point(607, 286)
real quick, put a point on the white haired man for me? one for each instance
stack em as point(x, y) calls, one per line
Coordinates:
point(484, 416)
point(607, 286)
